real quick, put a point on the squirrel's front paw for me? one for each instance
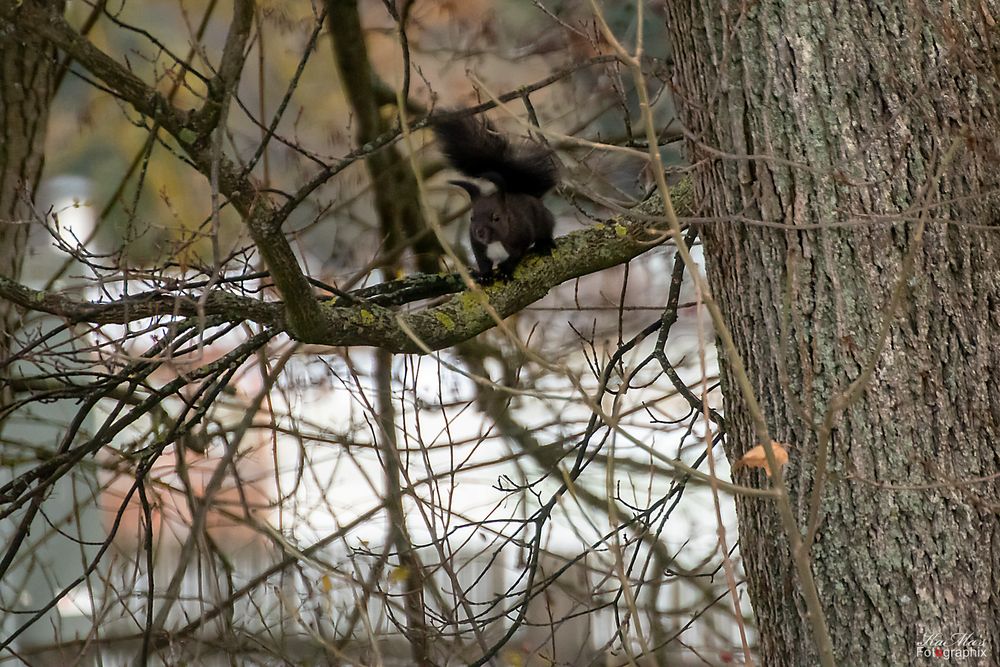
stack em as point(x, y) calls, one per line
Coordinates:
point(505, 271)
point(544, 248)
point(484, 277)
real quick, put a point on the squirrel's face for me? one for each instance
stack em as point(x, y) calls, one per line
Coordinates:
point(488, 219)
point(483, 234)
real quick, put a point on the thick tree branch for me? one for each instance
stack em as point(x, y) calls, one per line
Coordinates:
point(394, 186)
point(465, 315)
point(462, 317)
point(224, 82)
point(141, 306)
point(28, 74)
point(397, 203)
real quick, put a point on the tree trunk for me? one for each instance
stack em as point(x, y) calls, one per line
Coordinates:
point(28, 67)
point(853, 127)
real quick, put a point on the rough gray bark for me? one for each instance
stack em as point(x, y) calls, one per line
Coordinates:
point(28, 69)
point(837, 122)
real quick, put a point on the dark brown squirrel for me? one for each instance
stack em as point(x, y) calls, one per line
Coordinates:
point(512, 220)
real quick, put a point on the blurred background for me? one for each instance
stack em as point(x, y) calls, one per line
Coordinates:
point(263, 531)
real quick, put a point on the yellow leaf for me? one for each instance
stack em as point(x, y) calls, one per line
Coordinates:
point(513, 658)
point(756, 458)
point(326, 583)
point(398, 574)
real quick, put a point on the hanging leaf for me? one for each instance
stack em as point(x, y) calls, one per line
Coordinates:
point(756, 458)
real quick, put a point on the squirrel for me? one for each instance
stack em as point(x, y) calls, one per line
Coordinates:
point(512, 220)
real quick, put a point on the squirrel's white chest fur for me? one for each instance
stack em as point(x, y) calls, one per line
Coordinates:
point(496, 252)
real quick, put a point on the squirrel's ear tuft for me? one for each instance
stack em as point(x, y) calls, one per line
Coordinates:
point(469, 187)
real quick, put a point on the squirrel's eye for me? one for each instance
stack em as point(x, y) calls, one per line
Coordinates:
point(496, 217)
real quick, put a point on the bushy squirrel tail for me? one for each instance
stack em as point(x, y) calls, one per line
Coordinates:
point(475, 148)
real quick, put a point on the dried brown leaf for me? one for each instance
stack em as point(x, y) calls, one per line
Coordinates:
point(756, 458)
